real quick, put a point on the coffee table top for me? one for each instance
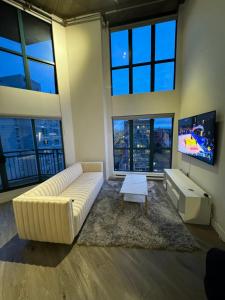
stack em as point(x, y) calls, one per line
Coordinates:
point(135, 184)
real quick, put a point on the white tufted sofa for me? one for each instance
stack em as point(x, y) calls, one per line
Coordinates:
point(55, 210)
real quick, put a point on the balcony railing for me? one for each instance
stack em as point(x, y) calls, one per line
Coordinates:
point(26, 166)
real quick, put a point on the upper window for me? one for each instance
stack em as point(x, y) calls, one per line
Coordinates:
point(143, 59)
point(26, 51)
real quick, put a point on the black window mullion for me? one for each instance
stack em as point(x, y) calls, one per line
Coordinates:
point(10, 51)
point(23, 46)
point(131, 144)
point(62, 141)
point(175, 58)
point(151, 158)
point(41, 60)
point(130, 61)
point(36, 150)
point(152, 87)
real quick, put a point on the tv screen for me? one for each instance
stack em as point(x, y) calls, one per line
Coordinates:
point(196, 136)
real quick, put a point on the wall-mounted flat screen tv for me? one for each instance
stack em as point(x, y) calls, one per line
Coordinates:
point(196, 136)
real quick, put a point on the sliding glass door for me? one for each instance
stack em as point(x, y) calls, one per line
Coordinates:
point(143, 144)
point(30, 151)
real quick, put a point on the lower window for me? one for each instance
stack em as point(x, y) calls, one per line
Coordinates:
point(143, 144)
point(31, 151)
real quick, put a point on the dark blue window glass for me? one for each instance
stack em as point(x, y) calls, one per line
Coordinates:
point(163, 123)
point(141, 44)
point(146, 145)
point(9, 31)
point(48, 134)
point(42, 77)
point(18, 148)
point(49, 144)
point(121, 134)
point(120, 82)
point(24, 163)
point(165, 35)
point(141, 79)
point(119, 48)
point(163, 132)
point(12, 70)
point(164, 76)
point(38, 38)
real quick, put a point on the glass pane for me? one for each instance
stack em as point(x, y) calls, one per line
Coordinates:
point(38, 38)
point(121, 160)
point(120, 82)
point(9, 31)
point(1, 187)
point(121, 134)
point(12, 70)
point(141, 159)
point(141, 79)
point(162, 144)
point(141, 133)
point(164, 77)
point(50, 150)
point(48, 134)
point(162, 159)
point(141, 44)
point(42, 77)
point(18, 149)
point(165, 36)
point(119, 48)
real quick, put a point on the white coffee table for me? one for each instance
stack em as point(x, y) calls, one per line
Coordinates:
point(135, 189)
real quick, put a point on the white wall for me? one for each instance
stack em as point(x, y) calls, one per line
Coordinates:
point(19, 102)
point(84, 45)
point(59, 35)
point(203, 89)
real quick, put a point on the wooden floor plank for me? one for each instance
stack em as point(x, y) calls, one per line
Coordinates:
point(44, 271)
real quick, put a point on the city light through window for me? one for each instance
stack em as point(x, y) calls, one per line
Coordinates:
point(142, 145)
point(31, 150)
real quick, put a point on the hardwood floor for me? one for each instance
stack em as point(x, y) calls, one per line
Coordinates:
point(32, 270)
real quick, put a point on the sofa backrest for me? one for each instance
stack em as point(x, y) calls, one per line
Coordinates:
point(56, 184)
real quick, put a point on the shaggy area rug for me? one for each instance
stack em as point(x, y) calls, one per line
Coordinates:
point(110, 224)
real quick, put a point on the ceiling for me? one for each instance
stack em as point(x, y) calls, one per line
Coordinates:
point(115, 11)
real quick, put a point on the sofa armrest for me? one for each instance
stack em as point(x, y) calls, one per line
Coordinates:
point(92, 166)
point(48, 219)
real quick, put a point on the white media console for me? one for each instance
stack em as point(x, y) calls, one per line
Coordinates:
point(189, 199)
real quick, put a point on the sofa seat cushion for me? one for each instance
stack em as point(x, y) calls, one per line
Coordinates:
point(83, 191)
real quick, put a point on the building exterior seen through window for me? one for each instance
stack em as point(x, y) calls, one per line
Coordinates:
point(31, 150)
point(142, 145)
point(143, 58)
point(26, 51)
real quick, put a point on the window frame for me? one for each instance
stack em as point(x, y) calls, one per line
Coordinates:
point(151, 148)
point(26, 57)
point(153, 61)
point(40, 177)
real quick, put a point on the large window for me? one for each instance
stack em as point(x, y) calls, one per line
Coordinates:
point(143, 58)
point(31, 150)
point(143, 144)
point(26, 51)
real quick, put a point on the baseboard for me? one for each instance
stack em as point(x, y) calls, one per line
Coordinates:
point(219, 229)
